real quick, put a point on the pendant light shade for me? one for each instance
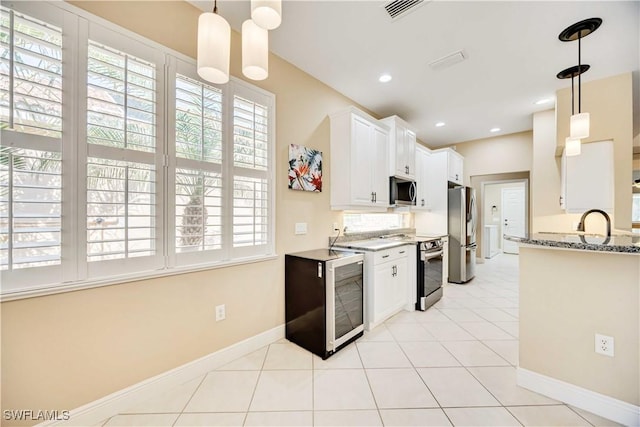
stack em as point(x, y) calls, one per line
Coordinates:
point(572, 147)
point(266, 14)
point(214, 45)
point(255, 51)
point(579, 126)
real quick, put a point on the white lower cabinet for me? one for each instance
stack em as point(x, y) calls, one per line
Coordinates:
point(389, 281)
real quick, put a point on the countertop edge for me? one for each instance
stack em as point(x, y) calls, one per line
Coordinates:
point(592, 247)
point(346, 246)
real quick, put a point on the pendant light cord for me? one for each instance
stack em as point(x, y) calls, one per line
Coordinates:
point(572, 101)
point(215, 6)
point(579, 73)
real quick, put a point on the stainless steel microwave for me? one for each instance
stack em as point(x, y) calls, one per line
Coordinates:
point(402, 192)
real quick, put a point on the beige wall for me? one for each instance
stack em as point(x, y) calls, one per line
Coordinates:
point(545, 179)
point(502, 154)
point(610, 105)
point(65, 350)
point(493, 159)
point(568, 296)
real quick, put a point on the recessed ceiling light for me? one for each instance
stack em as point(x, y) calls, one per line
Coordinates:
point(543, 101)
point(494, 130)
point(384, 78)
point(440, 124)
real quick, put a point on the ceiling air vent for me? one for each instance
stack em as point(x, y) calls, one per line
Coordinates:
point(397, 8)
point(448, 60)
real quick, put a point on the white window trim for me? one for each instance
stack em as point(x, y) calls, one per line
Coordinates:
point(79, 27)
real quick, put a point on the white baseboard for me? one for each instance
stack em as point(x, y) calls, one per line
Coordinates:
point(96, 411)
point(599, 404)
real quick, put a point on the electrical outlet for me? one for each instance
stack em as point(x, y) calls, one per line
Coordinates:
point(301, 228)
point(220, 312)
point(604, 345)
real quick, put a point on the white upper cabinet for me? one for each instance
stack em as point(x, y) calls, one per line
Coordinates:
point(436, 188)
point(587, 179)
point(359, 150)
point(455, 165)
point(402, 143)
point(422, 179)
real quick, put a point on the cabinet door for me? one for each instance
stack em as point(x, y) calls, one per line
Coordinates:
point(362, 155)
point(400, 283)
point(589, 178)
point(410, 152)
point(422, 179)
point(455, 163)
point(382, 291)
point(400, 150)
point(377, 166)
point(404, 152)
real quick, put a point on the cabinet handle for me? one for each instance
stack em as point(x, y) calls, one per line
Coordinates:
point(372, 199)
point(422, 202)
point(401, 252)
point(385, 256)
point(457, 177)
point(406, 169)
point(560, 201)
point(375, 197)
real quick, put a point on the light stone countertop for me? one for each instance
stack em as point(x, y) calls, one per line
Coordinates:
point(618, 243)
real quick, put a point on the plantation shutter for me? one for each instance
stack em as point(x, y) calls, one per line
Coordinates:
point(31, 84)
point(123, 218)
point(198, 170)
point(251, 171)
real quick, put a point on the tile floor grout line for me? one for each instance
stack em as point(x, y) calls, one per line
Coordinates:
point(255, 387)
point(375, 401)
point(578, 414)
point(190, 398)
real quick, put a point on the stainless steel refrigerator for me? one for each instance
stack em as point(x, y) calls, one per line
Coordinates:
point(462, 222)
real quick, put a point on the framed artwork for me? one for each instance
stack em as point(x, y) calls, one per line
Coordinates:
point(305, 168)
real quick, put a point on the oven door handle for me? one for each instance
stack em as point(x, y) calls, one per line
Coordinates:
point(431, 255)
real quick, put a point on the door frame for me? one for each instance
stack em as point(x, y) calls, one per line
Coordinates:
point(502, 216)
point(527, 212)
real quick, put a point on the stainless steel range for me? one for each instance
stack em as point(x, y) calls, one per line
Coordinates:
point(429, 280)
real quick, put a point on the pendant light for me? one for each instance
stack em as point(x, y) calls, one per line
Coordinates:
point(255, 51)
point(214, 47)
point(572, 146)
point(266, 14)
point(579, 123)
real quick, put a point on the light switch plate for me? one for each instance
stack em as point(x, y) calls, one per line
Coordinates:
point(301, 228)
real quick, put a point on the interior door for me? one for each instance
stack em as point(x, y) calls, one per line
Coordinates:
point(513, 217)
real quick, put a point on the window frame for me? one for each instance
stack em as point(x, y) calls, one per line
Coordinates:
point(76, 272)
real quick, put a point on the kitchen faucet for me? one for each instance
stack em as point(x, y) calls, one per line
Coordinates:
point(603, 213)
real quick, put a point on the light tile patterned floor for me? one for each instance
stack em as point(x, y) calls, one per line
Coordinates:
point(451, 365)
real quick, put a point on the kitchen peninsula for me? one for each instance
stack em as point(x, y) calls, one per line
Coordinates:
point(572, 287)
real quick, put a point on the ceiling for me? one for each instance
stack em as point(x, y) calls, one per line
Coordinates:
point(512, 56)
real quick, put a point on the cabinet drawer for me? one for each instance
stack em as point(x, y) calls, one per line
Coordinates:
point(390, 254)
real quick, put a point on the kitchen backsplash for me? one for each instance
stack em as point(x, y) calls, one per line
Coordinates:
point(350, 237)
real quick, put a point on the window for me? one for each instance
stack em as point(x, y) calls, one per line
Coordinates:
point(198, 174)
point(251, 210)
point(356, 222)
point(635, 208)
point(121, 212)
point(31, 69)
point(221, 169)
point(30, 155)
point(161, 170)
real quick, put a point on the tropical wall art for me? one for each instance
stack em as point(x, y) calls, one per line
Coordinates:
point(305, 168)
